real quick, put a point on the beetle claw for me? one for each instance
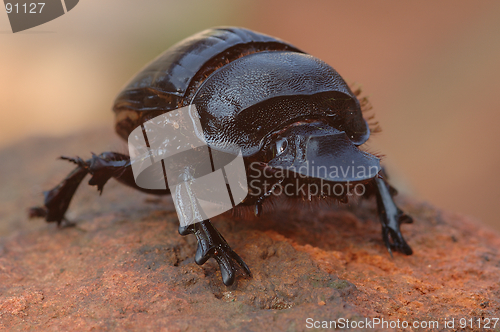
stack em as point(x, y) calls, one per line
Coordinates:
point(398, 243)
point(391, 218)
point(37, 212)
point(211, 244)
point(65, 223)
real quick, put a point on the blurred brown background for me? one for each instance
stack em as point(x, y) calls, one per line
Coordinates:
point(431, 70)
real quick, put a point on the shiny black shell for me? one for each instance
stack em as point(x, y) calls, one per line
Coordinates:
point(245, 85)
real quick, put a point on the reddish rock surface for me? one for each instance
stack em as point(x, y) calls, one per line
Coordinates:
point(124, 266)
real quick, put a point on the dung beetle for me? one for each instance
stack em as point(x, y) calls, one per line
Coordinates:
point(289, 112)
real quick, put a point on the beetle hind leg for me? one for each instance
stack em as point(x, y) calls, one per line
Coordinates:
point(391, 218)
point(211, 244)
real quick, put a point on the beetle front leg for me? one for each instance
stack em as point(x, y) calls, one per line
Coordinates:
point(391, 218)
point(102, 167)
point(211, 244)
point(57, 200)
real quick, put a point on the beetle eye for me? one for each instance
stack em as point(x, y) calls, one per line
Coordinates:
point(281, 146)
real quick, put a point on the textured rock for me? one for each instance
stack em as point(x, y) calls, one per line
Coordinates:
point(124, 266)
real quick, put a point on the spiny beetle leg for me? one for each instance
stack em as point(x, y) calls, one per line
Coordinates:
point(211, 244)
point(391, 218)
point(57, 200)
point(101, 167)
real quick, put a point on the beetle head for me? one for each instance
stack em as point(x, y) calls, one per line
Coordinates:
point(314, 149)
